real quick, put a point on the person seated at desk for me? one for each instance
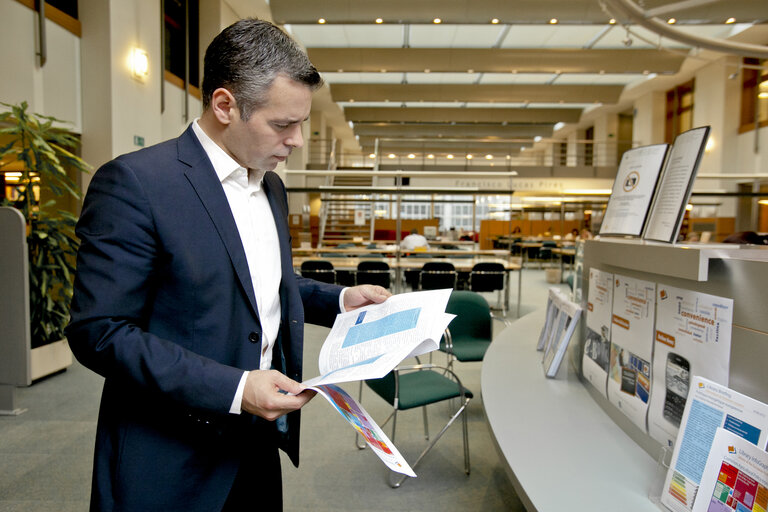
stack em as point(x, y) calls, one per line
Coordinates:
point(414, 242)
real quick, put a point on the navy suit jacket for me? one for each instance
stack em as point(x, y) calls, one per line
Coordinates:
point(164, 309)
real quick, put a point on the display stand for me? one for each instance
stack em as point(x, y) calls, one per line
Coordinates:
point(14, 310)
point(564, 445)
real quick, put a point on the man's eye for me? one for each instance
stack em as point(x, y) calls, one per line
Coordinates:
point(281, 126)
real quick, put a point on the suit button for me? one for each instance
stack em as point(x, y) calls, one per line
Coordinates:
point(254, 337)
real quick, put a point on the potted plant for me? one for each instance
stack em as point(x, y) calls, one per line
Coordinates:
point(40, 151)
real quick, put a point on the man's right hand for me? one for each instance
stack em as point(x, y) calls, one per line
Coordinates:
point(262, 394)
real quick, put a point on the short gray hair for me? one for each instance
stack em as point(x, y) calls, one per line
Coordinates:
point(246, 57)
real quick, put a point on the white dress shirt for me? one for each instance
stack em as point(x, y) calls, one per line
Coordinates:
point(258, 233)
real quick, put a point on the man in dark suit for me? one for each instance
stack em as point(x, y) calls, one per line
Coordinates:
point(185, 297)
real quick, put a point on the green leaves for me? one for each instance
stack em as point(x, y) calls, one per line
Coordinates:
point(42, 150)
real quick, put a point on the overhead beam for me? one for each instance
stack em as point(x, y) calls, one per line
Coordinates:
point(451, 130)
point(456, 147)
point(463, 115)
point(608, 94)
point(481, 11)
point(494, 60)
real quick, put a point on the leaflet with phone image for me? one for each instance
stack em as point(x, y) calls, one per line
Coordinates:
point(735, 477)
point(629, 382)
point(709, 407)
point(597, 347)
point(565, 317)
point(693, 337)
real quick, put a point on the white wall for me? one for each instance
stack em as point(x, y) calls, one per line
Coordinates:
point(52, 90)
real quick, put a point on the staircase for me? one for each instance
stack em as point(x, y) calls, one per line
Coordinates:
point(339, 212)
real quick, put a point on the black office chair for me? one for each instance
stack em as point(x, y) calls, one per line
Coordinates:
point(408, 387)
point(436, 275)
point(319, 270)
point(488, 277)
point(374, 272)
point(545, 252)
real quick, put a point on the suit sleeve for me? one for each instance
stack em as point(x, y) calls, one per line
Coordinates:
point(116, 280)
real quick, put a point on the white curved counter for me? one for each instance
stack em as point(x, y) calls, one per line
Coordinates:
point(562, 451)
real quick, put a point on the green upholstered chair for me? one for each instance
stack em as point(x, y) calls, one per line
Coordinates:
point(419, 385)
point(468, 335)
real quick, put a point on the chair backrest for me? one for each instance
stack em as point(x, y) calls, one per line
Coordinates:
point(549, 243)
point(473, 315)
point(319, 270)
point(436, 275)
point(487, 277)
point(374, 272)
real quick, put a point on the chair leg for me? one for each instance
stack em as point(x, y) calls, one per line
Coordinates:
point(426, 422)
point(397, 483)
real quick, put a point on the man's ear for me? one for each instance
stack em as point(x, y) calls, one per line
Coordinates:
point(224, 106)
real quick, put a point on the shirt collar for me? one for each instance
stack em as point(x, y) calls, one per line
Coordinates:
point(224, 165)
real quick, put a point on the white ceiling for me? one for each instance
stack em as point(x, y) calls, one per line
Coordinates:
point(584, 28)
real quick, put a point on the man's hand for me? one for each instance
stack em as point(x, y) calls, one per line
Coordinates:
point(262, 396)
point(363, 295)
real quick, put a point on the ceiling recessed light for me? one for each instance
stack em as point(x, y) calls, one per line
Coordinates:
point(553, 21)
point(411, 156)
point(495, 21)
point(379, 20)
point(671, 21)
point(427, 70)
point(391, 155)
point(470, 157)
point(437, 21)
point(730, 20)
point(321, 21)
point(489, 157)
point(372, 155)
point(383, 70)
point(430, 156)
point(470, 71)
point(351, 100)
point(449, 157)
point(612, 21)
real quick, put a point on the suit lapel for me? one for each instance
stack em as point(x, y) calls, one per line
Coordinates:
point(276, 196)
point(203, 179)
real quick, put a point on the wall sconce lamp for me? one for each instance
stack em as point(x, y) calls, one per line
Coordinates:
point(139, 64)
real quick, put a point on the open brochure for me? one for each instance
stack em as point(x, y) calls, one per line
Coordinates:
point(368, 343)
point(710, 407)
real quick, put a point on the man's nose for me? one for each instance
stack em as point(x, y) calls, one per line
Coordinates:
point(295, 139)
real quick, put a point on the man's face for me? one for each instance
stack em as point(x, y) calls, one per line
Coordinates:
point(273, 130)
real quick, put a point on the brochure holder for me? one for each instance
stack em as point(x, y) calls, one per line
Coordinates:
point(657, 483)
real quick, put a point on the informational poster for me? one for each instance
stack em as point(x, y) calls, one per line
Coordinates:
point(693, 337)
point(633, 190)
point(597, 347)
point(735, 477)
point(629, 382)
point(675, 185)
point(709, 407)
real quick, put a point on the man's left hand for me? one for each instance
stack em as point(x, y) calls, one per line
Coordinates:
point(363, 295)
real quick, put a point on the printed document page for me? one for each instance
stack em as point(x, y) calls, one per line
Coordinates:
point(693, 337)
point(369, 342)
point(633, 190)
point(710, 407)
point(735, 477)
point(359, 418)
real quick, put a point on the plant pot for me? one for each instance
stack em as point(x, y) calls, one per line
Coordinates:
point(49, 359)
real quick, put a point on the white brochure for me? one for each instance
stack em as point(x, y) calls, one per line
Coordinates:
point(629, 382)
point(735, 477)
point(369, 342)
point(597, 348)
point(710, 407)
point(693, 337)
point(633, 190)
